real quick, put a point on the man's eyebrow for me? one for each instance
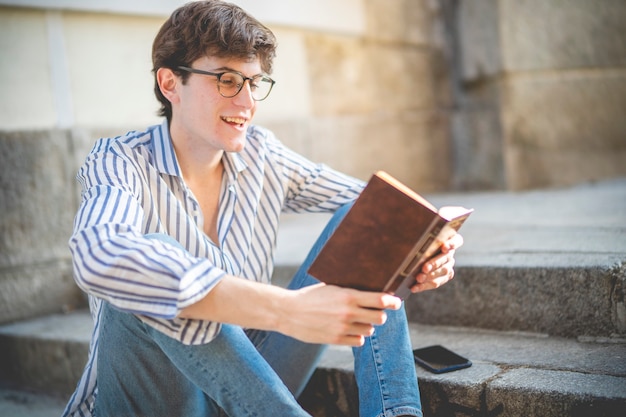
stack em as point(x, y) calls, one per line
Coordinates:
point(228, 69)
point(224, 69)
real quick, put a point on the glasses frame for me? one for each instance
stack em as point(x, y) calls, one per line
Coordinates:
point(219, 78)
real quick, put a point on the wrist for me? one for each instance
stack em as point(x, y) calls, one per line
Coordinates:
point(279, 310)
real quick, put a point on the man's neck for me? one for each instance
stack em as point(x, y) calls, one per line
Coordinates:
point(200, 166)
point(198, 161)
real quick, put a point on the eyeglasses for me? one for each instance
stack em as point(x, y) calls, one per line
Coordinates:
point(230, 83)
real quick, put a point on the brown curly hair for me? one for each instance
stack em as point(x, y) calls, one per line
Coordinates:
point(209, 28)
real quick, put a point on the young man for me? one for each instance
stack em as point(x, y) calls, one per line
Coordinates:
point(174, 243)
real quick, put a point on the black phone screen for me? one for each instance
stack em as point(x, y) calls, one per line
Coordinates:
point(438, 359)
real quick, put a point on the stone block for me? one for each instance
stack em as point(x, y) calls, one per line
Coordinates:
point(40, 288)
point(408, 78)
point(38, 200)
point(525, 299)
point(564, 128)
point(407, 21)
point(412, 146)
point(351, 76)
point(457, 393)
point(552, 393)
point(539, 34)
point(342, 80)
point(46, 355)
point(532, 168)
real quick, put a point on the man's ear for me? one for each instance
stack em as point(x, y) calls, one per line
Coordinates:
point(168, 84)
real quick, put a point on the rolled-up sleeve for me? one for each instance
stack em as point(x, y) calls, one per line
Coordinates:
point(114, 261)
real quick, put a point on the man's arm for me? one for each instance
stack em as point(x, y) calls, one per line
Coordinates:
point(320, 313)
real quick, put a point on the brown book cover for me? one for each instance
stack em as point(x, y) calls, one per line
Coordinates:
point(385, 238)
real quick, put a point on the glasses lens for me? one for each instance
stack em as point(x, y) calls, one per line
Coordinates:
point(230, 83)
point(261, 87)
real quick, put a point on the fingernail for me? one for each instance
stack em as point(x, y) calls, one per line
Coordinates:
point(390, 300)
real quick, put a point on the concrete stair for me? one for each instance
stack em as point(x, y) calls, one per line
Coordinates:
point(538, 305)
point(513, 373)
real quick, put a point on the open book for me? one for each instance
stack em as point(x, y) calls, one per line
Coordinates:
point(385, 238)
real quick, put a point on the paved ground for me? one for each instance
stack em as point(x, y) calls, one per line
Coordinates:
point(570, 226)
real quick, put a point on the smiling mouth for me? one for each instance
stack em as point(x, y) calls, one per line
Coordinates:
point(234, 120)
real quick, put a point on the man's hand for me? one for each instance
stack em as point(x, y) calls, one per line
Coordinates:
point(329, 314)
point(324, 314)
point(440, 268)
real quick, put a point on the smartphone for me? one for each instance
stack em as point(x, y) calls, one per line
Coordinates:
point(438, 359)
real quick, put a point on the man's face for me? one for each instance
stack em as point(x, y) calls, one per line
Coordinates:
point(203, 117)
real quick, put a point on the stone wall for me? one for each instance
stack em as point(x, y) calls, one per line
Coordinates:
point(541, 88)
point(38, 199)
point(372, 96)
point(379, 100)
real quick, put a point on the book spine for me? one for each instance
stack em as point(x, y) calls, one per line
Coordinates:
point(417, 256)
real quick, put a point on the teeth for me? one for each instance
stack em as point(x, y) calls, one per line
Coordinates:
point(237, 120)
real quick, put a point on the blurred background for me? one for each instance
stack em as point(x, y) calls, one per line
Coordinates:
point(446, 95)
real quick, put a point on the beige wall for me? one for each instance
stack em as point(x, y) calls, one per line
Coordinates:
point(360, 87)
point(477, 94)
point(26, 101)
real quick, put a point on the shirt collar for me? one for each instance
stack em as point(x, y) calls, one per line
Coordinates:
point(166, 162)
point(234, 164)
point(165, 159)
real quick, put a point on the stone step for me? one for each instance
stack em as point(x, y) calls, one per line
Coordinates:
point(513, 373)
point(560, 301)
point(46, 354)
point(586, 300)
point(21, 403)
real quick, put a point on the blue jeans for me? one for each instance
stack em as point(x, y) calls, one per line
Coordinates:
point(142, 372)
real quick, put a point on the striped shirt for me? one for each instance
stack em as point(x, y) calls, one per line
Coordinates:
point(133, 186)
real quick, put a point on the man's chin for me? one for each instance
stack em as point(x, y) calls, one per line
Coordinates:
point(237, 145)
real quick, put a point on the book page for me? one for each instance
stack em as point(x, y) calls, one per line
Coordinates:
point(406, 190)
point(452, 212)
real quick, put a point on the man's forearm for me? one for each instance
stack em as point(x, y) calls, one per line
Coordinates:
point(240, 302)
point(315, 314)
